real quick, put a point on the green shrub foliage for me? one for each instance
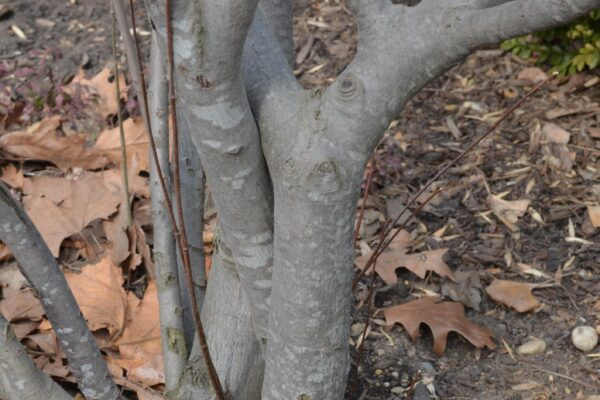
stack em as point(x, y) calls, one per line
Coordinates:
point(568, 49)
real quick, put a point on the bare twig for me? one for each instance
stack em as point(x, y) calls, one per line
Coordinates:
point(124, 175)
point(384, 244)
point(364, 200)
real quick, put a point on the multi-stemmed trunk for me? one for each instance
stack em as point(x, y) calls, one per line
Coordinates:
point(284, 167)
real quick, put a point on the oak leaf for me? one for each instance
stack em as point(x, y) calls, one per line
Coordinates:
point(41, 141)
point(419, 263)
point(442, 318)
point(517, 295)
point(12, 176)
point(61, 207)
point(508, 212)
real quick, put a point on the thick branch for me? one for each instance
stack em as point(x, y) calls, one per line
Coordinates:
point(20, 379)
point(401, 49)
point(520, 17)
point(41, 270)
point(279, 14)
point(208, 40)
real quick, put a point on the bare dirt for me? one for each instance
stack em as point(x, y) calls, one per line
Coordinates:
point(555, 243)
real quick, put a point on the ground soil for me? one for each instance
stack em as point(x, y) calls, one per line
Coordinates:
point(433, 128)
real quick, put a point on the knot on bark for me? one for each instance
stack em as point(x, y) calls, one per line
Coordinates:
point(324, 177)
point(349, 88)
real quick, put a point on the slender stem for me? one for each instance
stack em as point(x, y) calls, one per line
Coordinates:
point(384, 244)
point(364, 200)
point(180, 240)
point(212, 372)
point(124, 175)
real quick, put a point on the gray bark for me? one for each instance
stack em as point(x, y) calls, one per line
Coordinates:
point(231, 339)
point(20, 379)
point(192, 198)
point(173, 330)
point(40, 268)
point(208, 41)
point(279, 13)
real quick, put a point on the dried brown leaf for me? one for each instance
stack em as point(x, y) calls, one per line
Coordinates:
point(508, 212)
point(532, 74)
point(139, 345)
point(594, 214)
point(99, 293)
point(555, 134)
point(12, 176)
point(442, 318)
point(517, 295)
point(18, 301)
point(136, 140)
point(103, 85)
point(61, 207)
point(41, 141)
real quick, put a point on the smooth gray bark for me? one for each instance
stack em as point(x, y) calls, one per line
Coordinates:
point(192, 198)
point(279, 13)
point(208, 41)
point(40, 268)
point(171, 308)
point(231, 339)
point(20, 379)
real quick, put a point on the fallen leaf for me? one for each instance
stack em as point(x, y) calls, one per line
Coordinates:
point(102, 85)
point(508, 212)
point(594, 214)
point(533, 74)
point(138, 185)
point(555, 134)
point(517, 295)
point(116, 233)
point(140, 346)
point(99, 293)
point(594, 132)
point(5, 253)
point(136, 141)
point(395, 257)
point(441, 318)
point(61, 207)
point(18, 301)
point(12, 176)
point(41, 141)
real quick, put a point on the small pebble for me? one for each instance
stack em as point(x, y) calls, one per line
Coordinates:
point(395, 374)
point(585, 338)
point(398, 390)
point(378, 372)
point(386, 384)
point(380, 352)
point(357, 329)
point(532, 347)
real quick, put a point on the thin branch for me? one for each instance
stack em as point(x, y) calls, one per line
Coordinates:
point(364, 200)
point(382, 246)
point(124, 174)
point(42, 271)
point(20, 379)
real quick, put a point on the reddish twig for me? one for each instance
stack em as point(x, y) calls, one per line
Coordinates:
point(384, 244)
point(364, 200)
point(187, 267)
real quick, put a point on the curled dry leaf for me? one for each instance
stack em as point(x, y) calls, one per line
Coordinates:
point(508, 212)
point(61, 207)
point(419, 263)
point(517, 295)
point(442, 318)
point(41, 141)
